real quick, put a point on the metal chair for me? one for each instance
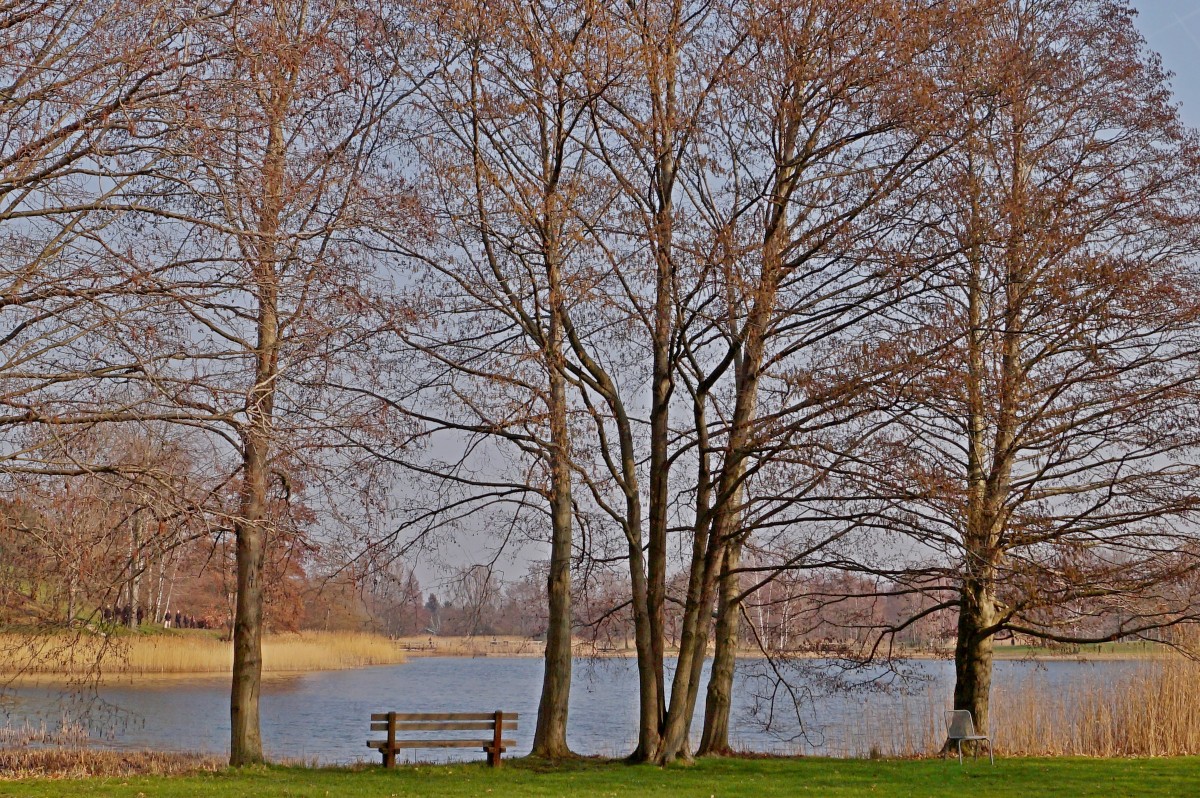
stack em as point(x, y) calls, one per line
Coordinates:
point(960, 727)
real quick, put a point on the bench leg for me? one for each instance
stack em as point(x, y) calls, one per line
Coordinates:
point(960, 752)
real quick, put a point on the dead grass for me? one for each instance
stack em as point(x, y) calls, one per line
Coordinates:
point(1153, 710)
point(908, 726)
point(77, 763)
point(166, 654)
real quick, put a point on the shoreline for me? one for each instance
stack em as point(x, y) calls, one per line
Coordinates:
point(327, 652)
point(508, 647)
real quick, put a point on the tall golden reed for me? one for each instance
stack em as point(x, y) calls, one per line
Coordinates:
point(1145, 707)
point(1152, 709)
point(167, 654)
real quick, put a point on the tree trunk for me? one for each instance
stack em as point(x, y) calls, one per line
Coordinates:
point(550, 735)
point(693, 645)
point(653, 718)
point(649, 659)
point(135, 569)
point(245, 746)
point(973, 654)
point(714, 740)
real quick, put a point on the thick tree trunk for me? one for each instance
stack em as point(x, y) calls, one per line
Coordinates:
point(245, 747)
point(714, 740)
point(973, 653)
point(650, 728)
point(650, 673)
point(550, 735)
point(654, 707)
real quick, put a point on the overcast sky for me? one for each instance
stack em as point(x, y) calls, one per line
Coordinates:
point(1173, 29)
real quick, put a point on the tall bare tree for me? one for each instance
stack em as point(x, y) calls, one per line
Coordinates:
point(1045, 462)
point(512, 198)
point(276, 170)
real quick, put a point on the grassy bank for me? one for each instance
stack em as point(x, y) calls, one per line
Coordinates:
point(190, 653)
point(744, 778)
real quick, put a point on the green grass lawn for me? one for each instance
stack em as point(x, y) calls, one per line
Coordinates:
point(740, 778)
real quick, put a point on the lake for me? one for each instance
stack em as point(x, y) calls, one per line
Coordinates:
point(324, 716)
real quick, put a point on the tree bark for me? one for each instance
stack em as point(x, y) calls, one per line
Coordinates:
point(245, 747)
point(550, 735)
point(973, 653)
point(135, 567)
point(652, 717)
point(714, 740)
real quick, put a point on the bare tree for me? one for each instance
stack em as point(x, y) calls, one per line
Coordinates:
point(274, 173)
point(1045, 460)
point(823, 122)
point(515, 195)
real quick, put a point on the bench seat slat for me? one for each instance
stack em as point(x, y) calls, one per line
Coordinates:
point(441, 725)
point(444, 716)
point(482, 744)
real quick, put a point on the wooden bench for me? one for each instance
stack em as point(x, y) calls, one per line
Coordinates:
point(397, 723)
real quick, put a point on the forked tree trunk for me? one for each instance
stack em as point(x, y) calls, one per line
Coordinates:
point(693, 645)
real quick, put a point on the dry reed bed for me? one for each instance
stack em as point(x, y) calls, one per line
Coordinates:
point(77, 763)
point(1152, 710)
point(166, 654)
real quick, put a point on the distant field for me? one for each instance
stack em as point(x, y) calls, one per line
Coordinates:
point(742, 778)
point(1086, 651)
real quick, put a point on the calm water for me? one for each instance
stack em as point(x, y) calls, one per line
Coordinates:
point(324, 716)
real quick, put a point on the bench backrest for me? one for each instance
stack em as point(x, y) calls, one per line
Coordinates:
point(959, 724)
point(443, 721)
